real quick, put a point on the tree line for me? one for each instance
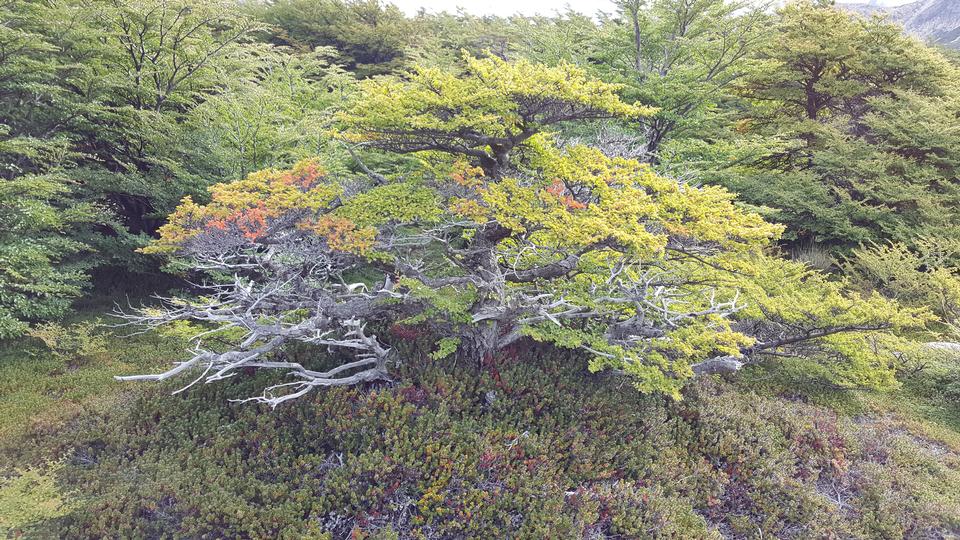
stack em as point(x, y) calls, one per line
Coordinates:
point(671, 189)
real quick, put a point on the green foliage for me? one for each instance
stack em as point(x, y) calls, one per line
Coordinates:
point(40, 391)
point(145, 66)
point(441, 38)
point(39, 275)
point(401, 201)
point(926, 275)
point(273, 113)
point(515, 271)
point(514, 236)
point(555, 452)
point(147, 100)
point(445, 347)
point(29, 497)
point(484, 112)
point(863, 335)
point(75, 344)
point(680, 57)
point(372, 37)
point(443, 303)
point(860, 131)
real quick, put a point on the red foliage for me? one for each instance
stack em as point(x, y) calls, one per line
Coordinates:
point(487, 460)
point(414, 395)
point(251, 222)
point(305, 176)
point(406, 332)
point(558, 190)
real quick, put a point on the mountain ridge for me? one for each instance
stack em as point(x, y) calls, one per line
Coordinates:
point(936, 21)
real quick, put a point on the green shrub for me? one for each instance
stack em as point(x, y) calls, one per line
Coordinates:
point(30, 496)
point(530, 446)
point(40, 391)
point(75, 344)
point(925, 275)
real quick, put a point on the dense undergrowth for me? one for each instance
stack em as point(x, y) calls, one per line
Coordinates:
point(506, 179)
point(531, 446)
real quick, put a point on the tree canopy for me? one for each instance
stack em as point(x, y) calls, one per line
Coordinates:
point(484, 248)
point(485, 112)
point(860, 124)
point(350, 173)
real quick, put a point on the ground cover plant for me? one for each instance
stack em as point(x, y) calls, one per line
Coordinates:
point(530, 445)
point(320, 269)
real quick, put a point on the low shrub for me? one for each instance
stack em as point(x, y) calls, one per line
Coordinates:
point(29, 497)
point(529, 446)
point(75, 344)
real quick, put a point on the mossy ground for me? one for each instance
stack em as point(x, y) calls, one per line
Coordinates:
point(531, 446)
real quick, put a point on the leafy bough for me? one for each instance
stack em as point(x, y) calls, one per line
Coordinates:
point(500, 236)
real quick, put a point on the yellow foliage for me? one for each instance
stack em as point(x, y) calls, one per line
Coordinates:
point(30, 496)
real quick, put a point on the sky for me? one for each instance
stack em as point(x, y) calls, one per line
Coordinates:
point(505, 7)
point(880, 2)
point(537, 7)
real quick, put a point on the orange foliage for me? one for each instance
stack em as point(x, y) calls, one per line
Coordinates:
point(342, 234)
point(248, 206)
point(558, 190)
point(304, 175)
point(251, 222)
point(465, 175)
point(469, 209)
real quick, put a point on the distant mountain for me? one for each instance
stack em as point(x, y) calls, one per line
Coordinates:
point(937, 21)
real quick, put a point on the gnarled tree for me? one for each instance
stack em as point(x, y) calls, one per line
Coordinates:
point(509, 237)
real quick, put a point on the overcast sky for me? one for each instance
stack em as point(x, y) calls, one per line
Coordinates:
point(534, 7)
point(505, 7)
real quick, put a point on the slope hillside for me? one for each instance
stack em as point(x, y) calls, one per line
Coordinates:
point(529, 445)
point(936, 21)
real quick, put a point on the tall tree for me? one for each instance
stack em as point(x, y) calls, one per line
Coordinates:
point(127, 106)
point(277, 114)
point(118, 80)
point(681, 57)
point(442, 38)
point(41, 267)
point(40, 272)
point(371, 36)
point(149, 63)
point(861, 128)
